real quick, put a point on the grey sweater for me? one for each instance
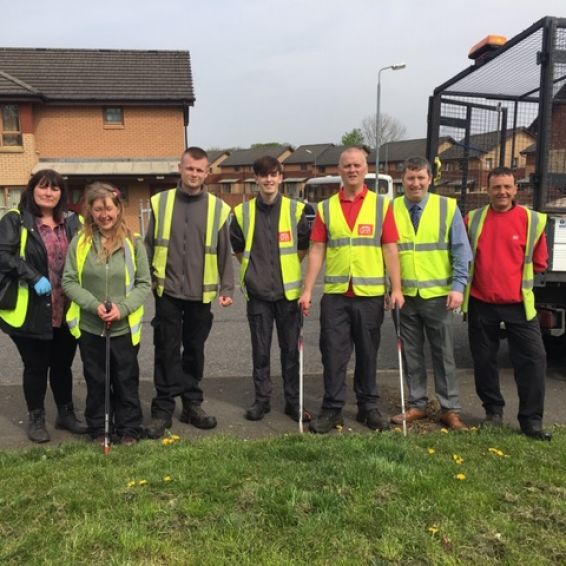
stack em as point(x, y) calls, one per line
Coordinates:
point(184, 272)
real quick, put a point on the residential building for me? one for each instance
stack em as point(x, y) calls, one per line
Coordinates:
point(118, 116)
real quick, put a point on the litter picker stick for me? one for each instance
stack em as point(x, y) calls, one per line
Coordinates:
point(400, 362)
point(108, 307)
point(301, 344)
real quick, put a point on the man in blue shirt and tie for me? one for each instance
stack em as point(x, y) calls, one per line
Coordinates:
point(435, 253)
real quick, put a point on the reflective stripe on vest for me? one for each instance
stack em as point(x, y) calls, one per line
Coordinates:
point(130, 267)
point(217, 213)
point(536, 223)
point(17, 316)
point(355, 255)
point(426, 267)
point(289, 216)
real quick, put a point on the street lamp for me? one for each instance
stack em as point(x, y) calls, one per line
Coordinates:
point(396, 67)
point(314, 155)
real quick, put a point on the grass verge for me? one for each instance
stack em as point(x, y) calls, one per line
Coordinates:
point(472, 498)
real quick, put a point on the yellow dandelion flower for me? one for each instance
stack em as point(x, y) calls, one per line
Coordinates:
point(497, 452)
point(458, 459)
point(175, 437)
point(142, 482)
point(444, 430)
point(431, 450)
point(473, 428)
point(132, 483)
point(397, 429)
point(461, 477)
point(167, 478)
point(433, 529)
point(339, 428)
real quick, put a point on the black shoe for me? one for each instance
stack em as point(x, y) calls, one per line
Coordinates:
point(195, 415)
point(536, 434)
point(326, 421)
point(36, 426)
point(293, 412)
point(372, 418)
point(258, 410)
point(67, 420)
point(494, 420)
point(157, 427)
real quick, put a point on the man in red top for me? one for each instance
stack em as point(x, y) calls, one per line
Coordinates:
point(501, 291)
point(355, 240)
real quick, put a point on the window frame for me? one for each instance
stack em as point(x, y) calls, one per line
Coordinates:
point(17, 133)
point(110, 123)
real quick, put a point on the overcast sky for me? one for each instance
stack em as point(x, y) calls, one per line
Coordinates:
point(288, 71)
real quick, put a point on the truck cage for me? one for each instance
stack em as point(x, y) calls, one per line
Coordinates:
point(508, 109)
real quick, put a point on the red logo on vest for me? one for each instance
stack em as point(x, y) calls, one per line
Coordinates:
point(285, 236)
point(365, 230)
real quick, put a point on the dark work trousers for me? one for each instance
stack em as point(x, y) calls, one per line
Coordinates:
point(178, 322)
point(47, 358)
point(348, 323)
point(125, 407)
point(527, 353)
point(261, 315)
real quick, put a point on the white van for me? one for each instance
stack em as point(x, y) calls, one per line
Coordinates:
point(320, 188)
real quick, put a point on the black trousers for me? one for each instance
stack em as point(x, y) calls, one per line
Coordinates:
point(348, 323)
point(179, 373)
point(125, 407)
point(261, 316)
point(45, 359)
point(527, 353)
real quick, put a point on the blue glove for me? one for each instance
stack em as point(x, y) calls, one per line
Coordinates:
point(42, 287)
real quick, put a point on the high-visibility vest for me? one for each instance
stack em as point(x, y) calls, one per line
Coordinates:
point(536, 223)
point(426, 267)
point(355, 255)
point(134, 318)
point(17, 316)
point(217, 213)
point(289, 216)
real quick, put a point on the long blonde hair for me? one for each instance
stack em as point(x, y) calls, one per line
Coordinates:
point(116, 240)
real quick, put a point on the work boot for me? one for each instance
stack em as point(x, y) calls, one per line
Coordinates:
point(157, 427)
point(535, 431)
point(67, 420)
point(196, 415)
point(492, 420)
point(372, 418)
point(36, 426)
point(258, 410)
point(293, 412)
point(326, 421)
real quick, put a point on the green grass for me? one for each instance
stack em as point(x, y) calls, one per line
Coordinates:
point(351, 499)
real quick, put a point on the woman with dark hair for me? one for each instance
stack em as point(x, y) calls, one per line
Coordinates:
point(33, 245)
point(107, 278)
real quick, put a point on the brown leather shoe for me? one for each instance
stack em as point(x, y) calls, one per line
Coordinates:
point(413, 414)
point(452, 420)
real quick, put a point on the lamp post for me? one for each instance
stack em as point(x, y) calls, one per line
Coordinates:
point(314, 155)
point(396, 67)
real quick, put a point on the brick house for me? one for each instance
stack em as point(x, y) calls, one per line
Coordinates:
point(118, 116)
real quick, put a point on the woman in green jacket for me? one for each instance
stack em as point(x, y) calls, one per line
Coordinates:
point(107, 277)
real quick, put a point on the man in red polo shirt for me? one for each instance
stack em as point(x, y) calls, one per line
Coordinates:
point(355, 233)
point(509, 246)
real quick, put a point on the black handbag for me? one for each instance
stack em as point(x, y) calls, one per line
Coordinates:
point(8, 292)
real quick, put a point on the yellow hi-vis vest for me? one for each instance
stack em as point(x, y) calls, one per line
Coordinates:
point(536, 223)
point(426, 267)
point(217, 214)
point(355, 255)
point(289, 216)
point(17, 316)
point(134, 318)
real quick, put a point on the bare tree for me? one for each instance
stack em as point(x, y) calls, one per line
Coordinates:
point(391, 129)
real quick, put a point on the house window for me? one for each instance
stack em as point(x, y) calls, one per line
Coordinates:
point(10, 125)
point(514, 163)
point(489, 163)
point(114, 116)
point(399, 166)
